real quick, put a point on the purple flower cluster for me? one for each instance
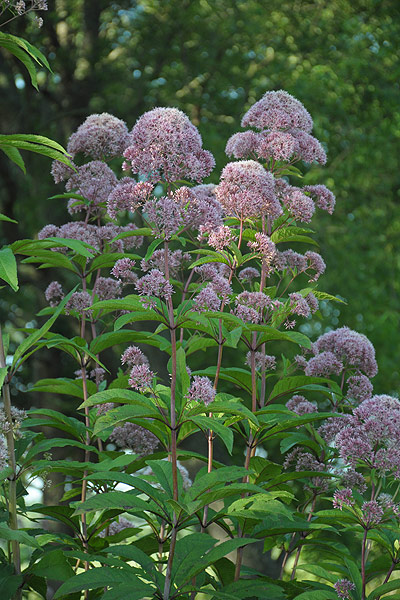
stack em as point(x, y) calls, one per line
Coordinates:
point(94, 181)
point(166, 145)
point(369, 437)
point(301, 406)
point(154, 284)
point(351, 348)
point(264, 362)
point(246, 190)
point(176, 260)
point(100, 136)
point(134, 437)
point(165, 215)
point(122, 270)
point(95, 236)
point(278, 111)
point(128, 195)
point(107, 288)
point(201, 390)
point(54, 293)
point(343, 588)
point(79, 302)
point(140, 377)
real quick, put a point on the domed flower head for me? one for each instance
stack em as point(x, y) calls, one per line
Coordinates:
point(351, 347)
point(94, 181)
point(100, 136)
point(278, 110)
point(166, 145)
point(246, 190)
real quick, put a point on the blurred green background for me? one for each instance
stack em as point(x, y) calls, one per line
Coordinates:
point(213, 59)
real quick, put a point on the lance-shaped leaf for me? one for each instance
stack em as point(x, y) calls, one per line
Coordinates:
point(32, 339)
point(108, 577)
point(8, 268)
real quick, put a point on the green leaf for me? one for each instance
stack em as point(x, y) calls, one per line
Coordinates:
point(8, 268)
point(14, 155)
point(38, 333)
point(119, 500)
point(354, 574)
point(17, 535)
point(3, 375)
point(150, 250)
point(5, 218)
point(53, 565)
point(318, 571)
point(107, 576)
point(9, 582)
point(288, 385)
point(79, 247)
point(222, 431)
point(326, 296)
point(317, 595)
point(384, 588)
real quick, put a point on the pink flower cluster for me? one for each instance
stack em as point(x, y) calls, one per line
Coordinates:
point(166, 145)
point(100, 136)
point(201, 390)
point(246, 190)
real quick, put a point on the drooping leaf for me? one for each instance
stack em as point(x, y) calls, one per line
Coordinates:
point(8, 268)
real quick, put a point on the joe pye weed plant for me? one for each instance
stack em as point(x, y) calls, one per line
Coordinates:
point(211, 277)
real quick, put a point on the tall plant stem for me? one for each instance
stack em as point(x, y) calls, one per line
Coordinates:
point(249, 453)
point(363, 559)
point(297, 557)
point(85, 473)
point(12, 488)
point(173, 448)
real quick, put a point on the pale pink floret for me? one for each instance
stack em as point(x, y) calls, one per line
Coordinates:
point(248, 274)
point(128, 195)
point(154, 284)
point(165, 215)
point(221, 237)
point(359, 388)
point(166, 145)
point(343, 588)
point(54, 293)
point(207, 299)
point(107, 288)
point(201, 390)
point(278, 145)
point(324, 365)
point(263, 362)
point(136, 438)
point(246, 190)
point(100, 136)
point(278, 110)
point(301, 406)
point(242, 144)
point(322, 196)
point(94, 181)
point(122, 270)
point(309, 148)
point(134, 356)
point(300, 206)
point(298, 305)
point(263, 246)
point(353, 348)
